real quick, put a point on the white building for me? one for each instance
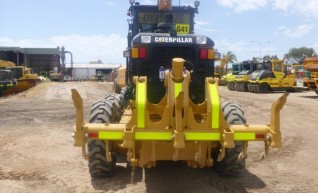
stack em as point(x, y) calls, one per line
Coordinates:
point(88, 71)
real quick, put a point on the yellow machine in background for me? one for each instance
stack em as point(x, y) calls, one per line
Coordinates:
point(230, 78)
point(219, 71)
point(311, 65)
point(277, 78)
point(55, 76)
point(6, 64)
point(23, 77)
point(6, 81)
point(120, 79)
point(303, 77)
point(240, 81)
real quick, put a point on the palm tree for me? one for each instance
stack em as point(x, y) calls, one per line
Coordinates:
point(230, 58)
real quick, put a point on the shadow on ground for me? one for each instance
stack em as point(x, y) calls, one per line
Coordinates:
point(311, 97)
point(175, 177)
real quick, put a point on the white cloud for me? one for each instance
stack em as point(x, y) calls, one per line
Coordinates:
point(246, 50)
point(315, 46)
point(147, 2)
point(243, 5)
point(306, 8)
point(238, 48)
point(211, 30)
point(110, 2)
point(108, 48)
point(296, 32)
point(200, 23)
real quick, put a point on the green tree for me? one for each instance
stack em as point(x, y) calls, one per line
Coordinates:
point(269, 57)
point(296, 55)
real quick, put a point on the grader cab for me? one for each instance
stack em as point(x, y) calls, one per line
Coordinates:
point(171, 109)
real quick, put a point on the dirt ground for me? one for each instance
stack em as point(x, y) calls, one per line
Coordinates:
point(37, 153)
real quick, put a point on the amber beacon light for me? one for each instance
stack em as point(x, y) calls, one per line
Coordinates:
point(164, 5)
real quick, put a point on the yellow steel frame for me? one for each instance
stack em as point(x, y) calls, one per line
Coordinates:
point(177, 124)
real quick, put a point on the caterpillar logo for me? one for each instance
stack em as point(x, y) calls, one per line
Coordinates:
point(173, 40)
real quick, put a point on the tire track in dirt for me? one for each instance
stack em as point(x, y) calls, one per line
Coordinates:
point(24, 176)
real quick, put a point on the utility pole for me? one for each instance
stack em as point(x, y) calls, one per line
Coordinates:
point(260, 48)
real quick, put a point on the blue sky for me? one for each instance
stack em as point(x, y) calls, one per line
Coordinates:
point(97, 29)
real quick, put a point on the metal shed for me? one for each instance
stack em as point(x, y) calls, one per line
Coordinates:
point(39, 59)
point(87, 71)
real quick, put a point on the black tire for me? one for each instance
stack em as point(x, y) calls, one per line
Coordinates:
point(263, 88)
point(230, 86)
point(235, 87)
point(239, 85)
point(253, 88)
point(245, 89)
point(103, 111)
point(124, 97)
point(257, 88)
point(249, 87)
point(230, 165)
point(316, 91)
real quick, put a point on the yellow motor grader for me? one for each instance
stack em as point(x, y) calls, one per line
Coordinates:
point(173, 110)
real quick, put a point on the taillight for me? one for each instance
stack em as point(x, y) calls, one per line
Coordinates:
point(93, 135)
point(139, 53)
point(206, 54)
point(259, 136)
point(142, 53)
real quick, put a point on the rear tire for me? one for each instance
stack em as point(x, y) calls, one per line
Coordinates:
point(230, 165)
point(103, 111)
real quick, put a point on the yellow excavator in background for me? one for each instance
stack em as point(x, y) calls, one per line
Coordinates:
point(219, 71)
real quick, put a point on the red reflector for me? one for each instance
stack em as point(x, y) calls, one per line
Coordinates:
point(93, 135)
point(204, 54)
point(259, 136)
point(142, 52)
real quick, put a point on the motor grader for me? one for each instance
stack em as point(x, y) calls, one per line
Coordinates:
point(171, 108)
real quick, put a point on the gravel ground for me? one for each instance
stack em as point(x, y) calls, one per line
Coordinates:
point(37, 155)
